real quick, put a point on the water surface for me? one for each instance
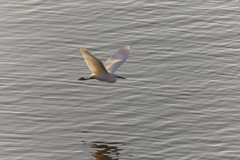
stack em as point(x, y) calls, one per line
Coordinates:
point(180, 99)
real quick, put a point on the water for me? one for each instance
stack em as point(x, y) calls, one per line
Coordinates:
point(180, 99)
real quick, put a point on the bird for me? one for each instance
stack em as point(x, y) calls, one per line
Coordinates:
point(105, 71)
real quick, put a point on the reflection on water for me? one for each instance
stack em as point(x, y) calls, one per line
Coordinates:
point(106, 151)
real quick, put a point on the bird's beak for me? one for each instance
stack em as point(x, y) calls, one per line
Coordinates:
point(82, 78)
point(120, 77)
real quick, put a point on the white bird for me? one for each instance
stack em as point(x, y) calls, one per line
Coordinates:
point(104, 72)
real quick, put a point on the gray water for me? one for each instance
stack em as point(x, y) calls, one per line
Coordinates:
point(180, 100)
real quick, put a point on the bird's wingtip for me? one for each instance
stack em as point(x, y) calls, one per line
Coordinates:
point(127, 47)
point(83, 48)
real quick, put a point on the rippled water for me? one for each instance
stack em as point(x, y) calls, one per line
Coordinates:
point(180, 99)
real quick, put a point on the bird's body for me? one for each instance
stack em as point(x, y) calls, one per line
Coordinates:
point(105, 77)
point(105, 72)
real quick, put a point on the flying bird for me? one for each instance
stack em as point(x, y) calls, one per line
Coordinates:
point(105, 71)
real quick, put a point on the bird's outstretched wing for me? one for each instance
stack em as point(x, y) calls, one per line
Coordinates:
point(93, 63)
point(117, 59)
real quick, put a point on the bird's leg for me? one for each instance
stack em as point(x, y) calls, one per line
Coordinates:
point(120, 77)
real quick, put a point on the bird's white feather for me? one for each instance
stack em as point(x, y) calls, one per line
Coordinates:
point(93, 63)
point(117, 59)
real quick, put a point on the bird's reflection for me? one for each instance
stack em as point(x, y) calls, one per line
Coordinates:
point(106, 151)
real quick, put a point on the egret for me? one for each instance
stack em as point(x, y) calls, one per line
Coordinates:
point(105, 71)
